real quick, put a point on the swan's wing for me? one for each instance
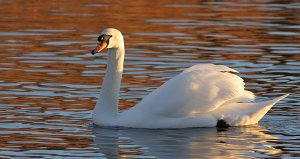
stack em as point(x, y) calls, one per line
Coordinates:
point(210, 67)
point(197, 90)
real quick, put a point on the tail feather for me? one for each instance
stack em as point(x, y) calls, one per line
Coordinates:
point(237, 114)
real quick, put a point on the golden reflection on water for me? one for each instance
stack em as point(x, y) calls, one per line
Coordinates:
point(49, 81)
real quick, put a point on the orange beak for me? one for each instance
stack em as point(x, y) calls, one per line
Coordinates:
point(102, 45)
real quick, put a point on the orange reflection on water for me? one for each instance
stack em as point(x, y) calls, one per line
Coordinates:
point(49, 81)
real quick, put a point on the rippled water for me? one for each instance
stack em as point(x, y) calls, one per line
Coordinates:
point(49, 81)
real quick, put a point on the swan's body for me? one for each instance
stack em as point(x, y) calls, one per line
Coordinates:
point(200, 96)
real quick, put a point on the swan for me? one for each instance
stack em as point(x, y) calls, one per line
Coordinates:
point(204, 95)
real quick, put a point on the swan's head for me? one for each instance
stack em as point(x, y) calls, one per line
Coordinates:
point(109, 38)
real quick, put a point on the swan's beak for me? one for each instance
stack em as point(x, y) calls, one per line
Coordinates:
point(102, 45)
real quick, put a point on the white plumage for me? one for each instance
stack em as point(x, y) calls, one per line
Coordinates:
point(200, 96)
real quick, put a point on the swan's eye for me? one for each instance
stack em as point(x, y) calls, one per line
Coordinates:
point(104, 38)
point(100, 38)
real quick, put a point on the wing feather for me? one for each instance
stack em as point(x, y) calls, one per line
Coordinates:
point(199, 89)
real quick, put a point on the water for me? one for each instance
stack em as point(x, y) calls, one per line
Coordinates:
point(49, 81)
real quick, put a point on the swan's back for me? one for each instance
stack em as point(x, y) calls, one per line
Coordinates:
point(196, 92)
point(199, 89)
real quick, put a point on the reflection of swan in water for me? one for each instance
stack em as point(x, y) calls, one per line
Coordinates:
point(234, 142)
point(204, 95)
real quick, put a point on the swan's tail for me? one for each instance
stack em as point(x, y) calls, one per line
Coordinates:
point(237, 114)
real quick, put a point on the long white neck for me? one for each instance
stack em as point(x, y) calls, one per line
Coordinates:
point(106, 108)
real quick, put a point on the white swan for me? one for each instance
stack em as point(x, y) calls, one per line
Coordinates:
point(204, 95)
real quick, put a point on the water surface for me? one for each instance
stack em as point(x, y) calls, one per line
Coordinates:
point(49, 81)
